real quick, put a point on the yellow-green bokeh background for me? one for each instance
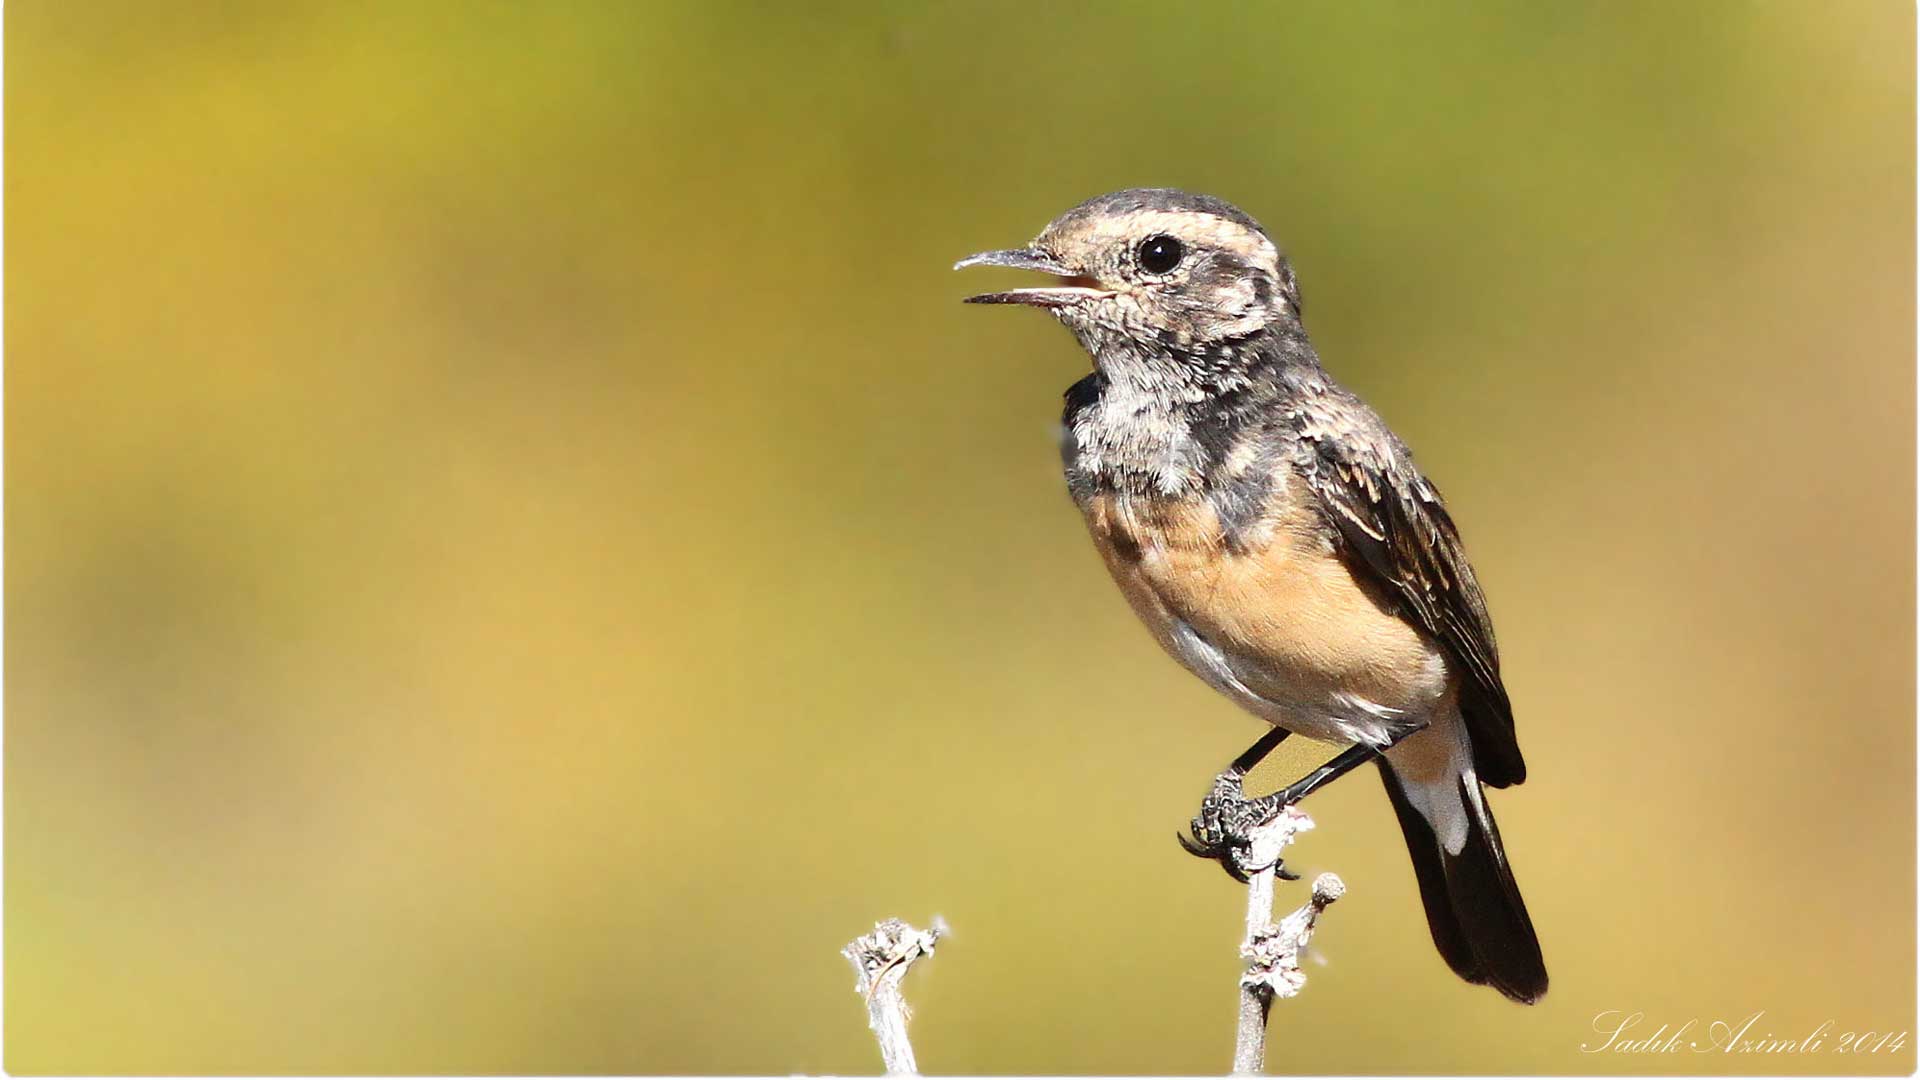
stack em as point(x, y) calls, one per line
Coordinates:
point(516, 553)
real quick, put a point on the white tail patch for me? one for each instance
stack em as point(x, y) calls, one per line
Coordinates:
point(1429, 766)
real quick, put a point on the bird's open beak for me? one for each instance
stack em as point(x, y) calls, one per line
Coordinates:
point(1074, 287)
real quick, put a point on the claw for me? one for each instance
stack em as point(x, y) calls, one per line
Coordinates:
point(1222, 828)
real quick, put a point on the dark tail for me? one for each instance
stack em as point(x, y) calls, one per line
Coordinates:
point(1479, 922)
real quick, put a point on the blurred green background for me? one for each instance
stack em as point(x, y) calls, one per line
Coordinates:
point(517, 552)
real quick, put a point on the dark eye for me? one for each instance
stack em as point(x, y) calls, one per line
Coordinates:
point(1160, 254)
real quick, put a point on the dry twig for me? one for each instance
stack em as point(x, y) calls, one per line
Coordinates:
point(1272, 951)
point(880, 961)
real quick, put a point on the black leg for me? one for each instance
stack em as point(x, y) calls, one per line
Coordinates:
point(1258, 752)
point(1348, 760)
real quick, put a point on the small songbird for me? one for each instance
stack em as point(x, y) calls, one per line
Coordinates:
point(1278, 541)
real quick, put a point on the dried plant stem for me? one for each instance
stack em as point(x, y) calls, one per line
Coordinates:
point(880, 961)
point(1272, 951)
point(1250, 1044)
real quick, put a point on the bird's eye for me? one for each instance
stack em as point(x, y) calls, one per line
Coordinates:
point(1160, 254)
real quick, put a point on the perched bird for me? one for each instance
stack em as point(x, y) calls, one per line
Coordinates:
point(1278, 541)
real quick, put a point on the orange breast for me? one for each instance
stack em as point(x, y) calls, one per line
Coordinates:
point(1282, 603)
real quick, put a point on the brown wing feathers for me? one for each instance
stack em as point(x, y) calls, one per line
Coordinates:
point(1392, 519)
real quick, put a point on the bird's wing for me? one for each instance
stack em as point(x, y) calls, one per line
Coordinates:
point(1391, 519)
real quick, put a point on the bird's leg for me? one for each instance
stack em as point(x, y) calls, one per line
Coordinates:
point(1227, 816)
point(1257, 753)
point(1345, 762)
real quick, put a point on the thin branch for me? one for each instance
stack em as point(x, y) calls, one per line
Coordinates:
point(1272, 951)
point(880, 961)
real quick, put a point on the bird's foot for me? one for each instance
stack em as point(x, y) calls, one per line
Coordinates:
point(1226, 828)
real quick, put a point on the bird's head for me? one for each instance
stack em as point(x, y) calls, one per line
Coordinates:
point(1156, 267)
